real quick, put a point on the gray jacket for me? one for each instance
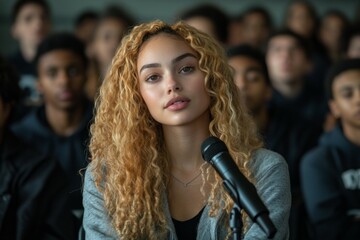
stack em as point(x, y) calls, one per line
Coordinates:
point(272, 183)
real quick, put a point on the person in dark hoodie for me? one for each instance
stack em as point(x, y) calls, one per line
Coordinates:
point(289, 60)
point(60, 127)
point(330, 173)
point(31, 23)
point(291, 138)
point(33, 202)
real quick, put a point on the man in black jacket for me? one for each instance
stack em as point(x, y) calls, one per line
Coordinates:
point(60, 127)
point(33, 200)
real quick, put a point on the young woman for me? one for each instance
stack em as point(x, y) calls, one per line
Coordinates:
point(168, 89)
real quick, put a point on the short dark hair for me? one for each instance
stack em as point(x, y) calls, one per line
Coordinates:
point(61, 41)
point(311, 10)
point(86, 15)
point(9, 83)
point(303, 43)
point(338, 68)
point(253, 53)
point(219, 18)
point(349, 33)
point(21, 3)
point(117, 12)
point(262, 11)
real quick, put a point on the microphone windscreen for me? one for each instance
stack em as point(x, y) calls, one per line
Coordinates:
point(212, 146)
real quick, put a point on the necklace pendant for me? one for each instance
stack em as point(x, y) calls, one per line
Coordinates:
point(186, 184)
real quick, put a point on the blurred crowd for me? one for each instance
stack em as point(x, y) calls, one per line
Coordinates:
point(300, 82)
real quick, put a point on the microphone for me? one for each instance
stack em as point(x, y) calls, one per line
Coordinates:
point(236, 184)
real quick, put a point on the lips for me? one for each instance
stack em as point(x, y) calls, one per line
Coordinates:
point(65, 95)
point(177, 100)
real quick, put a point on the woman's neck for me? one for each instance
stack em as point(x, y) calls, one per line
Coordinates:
point(184, 145)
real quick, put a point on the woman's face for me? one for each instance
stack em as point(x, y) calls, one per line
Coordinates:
point(300, 20)
point(171, 83)
point(107, 38)
point(32, 25)
point(331, 29)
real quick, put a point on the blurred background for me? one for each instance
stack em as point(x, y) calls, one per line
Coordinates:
point(64, 12)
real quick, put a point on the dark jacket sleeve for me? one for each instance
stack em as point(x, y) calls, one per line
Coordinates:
point(324, 199)
point(38, 207)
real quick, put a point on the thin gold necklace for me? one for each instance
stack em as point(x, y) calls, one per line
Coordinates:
point(186, 184)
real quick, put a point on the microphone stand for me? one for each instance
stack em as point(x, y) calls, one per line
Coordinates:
point(236, 223)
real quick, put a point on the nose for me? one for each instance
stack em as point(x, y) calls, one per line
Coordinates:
point(64, 78)
point(173, 84)
point(286, 53)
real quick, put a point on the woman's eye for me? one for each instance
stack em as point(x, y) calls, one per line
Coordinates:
point(253, 77)
point(152, 78)
point(51, 73)
point(186, 69)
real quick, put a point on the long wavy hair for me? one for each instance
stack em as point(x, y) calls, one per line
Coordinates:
point(130, 164)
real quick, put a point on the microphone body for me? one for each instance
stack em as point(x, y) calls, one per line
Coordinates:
point(237, 185)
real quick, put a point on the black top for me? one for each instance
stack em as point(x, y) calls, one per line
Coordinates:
point(187, 230)
point(33, 202)
point(27, 82)
point(292, 136)
point(308, 105)
point(70, 151)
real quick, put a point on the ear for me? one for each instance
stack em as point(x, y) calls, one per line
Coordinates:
point(334, 108)
point(14, 31)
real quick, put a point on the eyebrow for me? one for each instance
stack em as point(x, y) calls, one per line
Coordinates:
point(254, 69)
point(175, 60)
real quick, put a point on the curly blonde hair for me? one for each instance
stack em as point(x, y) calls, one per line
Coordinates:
point(129, 160)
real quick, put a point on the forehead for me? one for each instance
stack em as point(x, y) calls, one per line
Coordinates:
point(202, 24)
point(346, 77)
point(255, 16)
point(243, 62)
point(299, 8)
point(30, 8)
point(283, 40)
point(58, 57)
point(112, 22)
point(163, 46)
point(333, 19)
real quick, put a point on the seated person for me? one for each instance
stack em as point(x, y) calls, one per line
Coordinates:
point(110, 28)
point(60, 127)
point(31, 23)
point(291, 138)
point(209, 19)
point(330, 172)
point(289, 61)
point(33, 199)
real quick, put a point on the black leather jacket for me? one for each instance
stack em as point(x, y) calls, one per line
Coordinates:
point(33, 198)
